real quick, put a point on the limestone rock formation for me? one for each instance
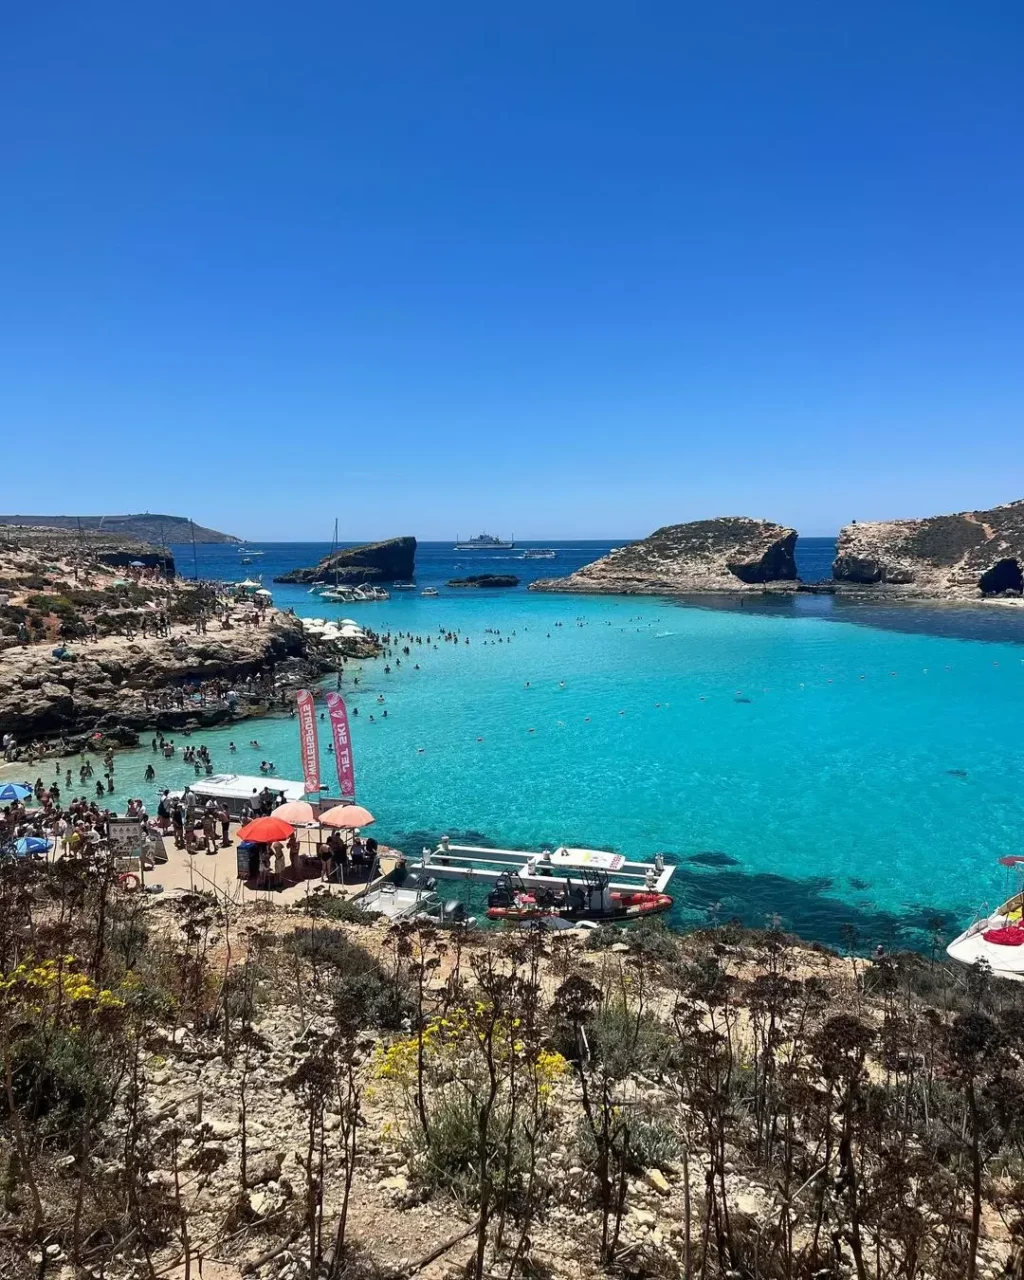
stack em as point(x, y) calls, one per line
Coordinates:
point(486, 580)
point(732, 553)
point(109, 685)
point(393, 560)
point(962, 556)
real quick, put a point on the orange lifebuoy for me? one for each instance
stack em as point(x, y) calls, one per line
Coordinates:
point(129, 881)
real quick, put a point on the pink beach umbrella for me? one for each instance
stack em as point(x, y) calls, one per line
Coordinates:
point(349, 816)
point(298, 812)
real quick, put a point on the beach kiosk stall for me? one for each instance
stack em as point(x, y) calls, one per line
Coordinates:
point(236, 790)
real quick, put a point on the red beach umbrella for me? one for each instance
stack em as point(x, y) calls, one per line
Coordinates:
point(347, 815)
point(265, 830)
point(298, 812)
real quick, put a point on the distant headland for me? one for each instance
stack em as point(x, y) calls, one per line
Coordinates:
point(160, 530)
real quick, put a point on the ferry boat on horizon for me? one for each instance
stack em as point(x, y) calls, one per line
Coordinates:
point(484, 542)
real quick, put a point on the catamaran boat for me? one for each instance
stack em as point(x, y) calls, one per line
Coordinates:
point(555, 888)
point(484, 542)
point(996, 938)
point(538, 553)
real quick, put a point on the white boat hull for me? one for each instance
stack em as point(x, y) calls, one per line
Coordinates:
point(972, 947)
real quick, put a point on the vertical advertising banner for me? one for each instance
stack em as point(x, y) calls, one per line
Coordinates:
point(308, 746)
point(342, 745)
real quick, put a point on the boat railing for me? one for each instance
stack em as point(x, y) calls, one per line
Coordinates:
point(980, 921)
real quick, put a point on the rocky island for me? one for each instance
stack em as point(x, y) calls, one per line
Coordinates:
point(393, 560)
point(955, 557)
point(486, 580)
point(732, 553)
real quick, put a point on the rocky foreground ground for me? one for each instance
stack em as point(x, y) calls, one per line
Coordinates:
point(200, 1089)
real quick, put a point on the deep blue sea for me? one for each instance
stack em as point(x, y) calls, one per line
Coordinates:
point(828, 763)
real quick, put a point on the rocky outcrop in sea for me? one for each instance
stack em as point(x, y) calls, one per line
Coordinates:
point(492, 580)
point(393, 560)
point(732, 553)
point(964, 556)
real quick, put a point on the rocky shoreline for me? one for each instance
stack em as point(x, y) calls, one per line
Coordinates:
point(88, 656)
point(119, 687)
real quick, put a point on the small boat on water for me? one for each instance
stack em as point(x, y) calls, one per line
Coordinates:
point(593, 901)
point(484, 542)
point(996, 938)
point(353, 595)
point(403, 586)
point(538, 553)
point(413, 898)
point(429, 591)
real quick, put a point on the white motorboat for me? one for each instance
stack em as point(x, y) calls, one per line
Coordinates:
point(403, 586)
point(429, 591)
point(538, 553)
point(414, 899)
point(997, 938)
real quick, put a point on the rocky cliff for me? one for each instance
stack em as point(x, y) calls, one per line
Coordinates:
point(389, 561)
point(733, 553)
point(962, 556)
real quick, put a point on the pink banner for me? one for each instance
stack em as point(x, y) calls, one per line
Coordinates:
point(308, 745)
point(342, 745)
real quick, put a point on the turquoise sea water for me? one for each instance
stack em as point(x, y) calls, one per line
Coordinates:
point(829, 764)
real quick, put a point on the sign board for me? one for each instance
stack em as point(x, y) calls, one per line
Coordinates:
point(126, 840)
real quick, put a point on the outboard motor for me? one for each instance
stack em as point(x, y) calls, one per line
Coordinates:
point(454, 912)
point(504, 891)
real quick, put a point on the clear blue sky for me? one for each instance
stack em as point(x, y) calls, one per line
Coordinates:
point(561, 269)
